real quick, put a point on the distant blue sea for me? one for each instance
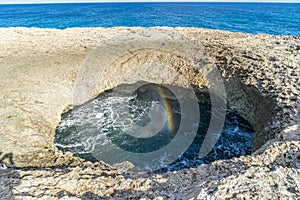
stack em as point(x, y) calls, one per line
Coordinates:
point(272, 18)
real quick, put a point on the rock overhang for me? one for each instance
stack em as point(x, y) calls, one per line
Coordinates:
point(31, 111)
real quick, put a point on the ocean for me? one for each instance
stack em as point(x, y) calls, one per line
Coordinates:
point(270, 18)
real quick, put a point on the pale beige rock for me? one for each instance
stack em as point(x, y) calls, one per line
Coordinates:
point(38, 69)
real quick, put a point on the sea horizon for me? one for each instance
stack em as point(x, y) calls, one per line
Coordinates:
point(128, 2)
point(247, 17)
point(156, 100)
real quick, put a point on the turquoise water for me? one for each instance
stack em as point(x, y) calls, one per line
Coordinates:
point(272, 18)
point(117, 127)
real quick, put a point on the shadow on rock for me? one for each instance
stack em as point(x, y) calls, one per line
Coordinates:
point(9, 177)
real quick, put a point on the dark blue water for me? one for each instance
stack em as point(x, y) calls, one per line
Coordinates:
point(272, 18)
point(109, 127)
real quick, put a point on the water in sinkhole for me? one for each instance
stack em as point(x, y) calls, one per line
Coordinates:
point(121, 126)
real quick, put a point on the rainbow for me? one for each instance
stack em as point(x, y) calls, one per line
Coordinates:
point(168, 110)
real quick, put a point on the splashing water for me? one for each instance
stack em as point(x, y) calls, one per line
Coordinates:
point(149, 119)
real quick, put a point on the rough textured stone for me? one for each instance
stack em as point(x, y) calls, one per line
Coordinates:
point(38, 70)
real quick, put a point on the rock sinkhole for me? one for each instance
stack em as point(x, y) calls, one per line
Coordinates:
point(131, 121)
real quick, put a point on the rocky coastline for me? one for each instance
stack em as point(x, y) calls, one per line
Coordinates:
point(38, 70)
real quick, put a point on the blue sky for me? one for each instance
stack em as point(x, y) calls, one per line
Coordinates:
point(71, 1)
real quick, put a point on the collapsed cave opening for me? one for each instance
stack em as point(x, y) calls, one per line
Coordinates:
point(153, 127)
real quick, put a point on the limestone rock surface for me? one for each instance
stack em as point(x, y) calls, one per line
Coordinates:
point(38, 72)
